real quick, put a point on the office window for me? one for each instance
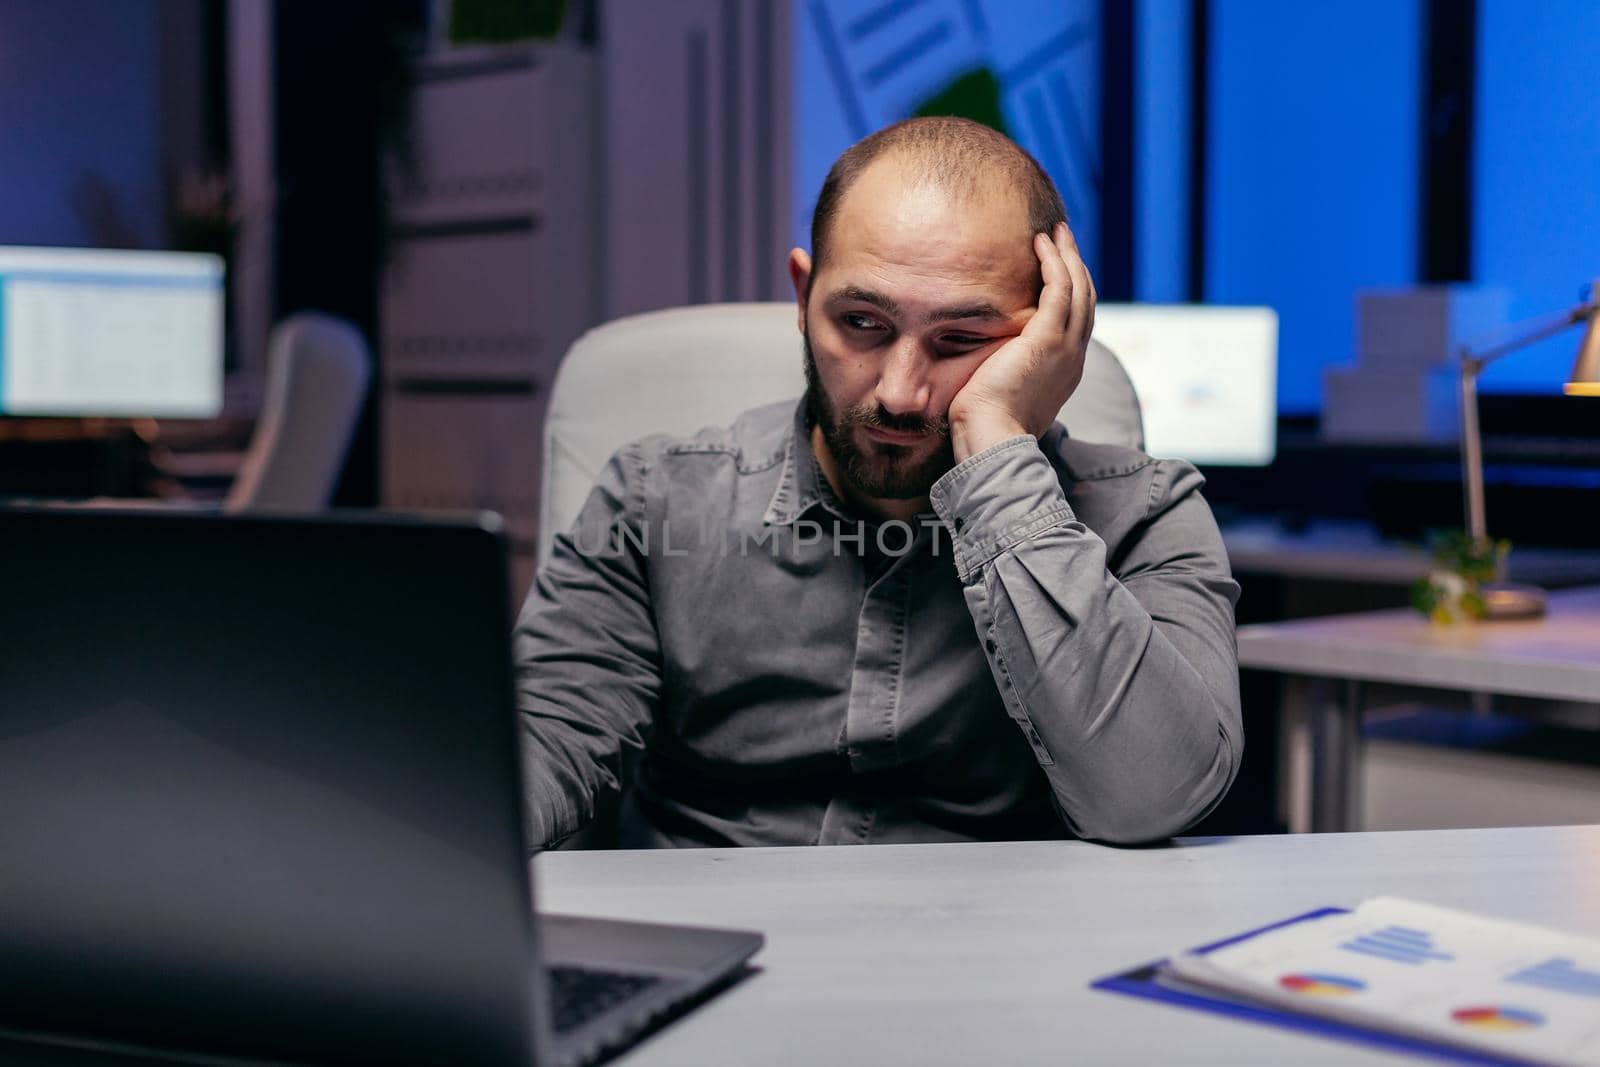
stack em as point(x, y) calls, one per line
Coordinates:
point(1536, 189)
point(1162, 108)
point(1311, 168)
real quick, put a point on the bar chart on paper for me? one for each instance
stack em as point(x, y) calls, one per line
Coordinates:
point(1397, 943)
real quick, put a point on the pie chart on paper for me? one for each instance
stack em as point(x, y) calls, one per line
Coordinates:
point(1490, 1017)
point(1321, 985)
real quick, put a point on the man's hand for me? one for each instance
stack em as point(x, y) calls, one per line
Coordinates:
point(1021, 387)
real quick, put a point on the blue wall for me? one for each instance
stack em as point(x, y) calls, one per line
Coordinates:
point(79, 97)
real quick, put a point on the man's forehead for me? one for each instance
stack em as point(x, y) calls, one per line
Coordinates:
point(900, 240)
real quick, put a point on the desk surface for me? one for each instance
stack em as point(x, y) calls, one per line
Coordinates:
point(983, 953)
point(1556, 657)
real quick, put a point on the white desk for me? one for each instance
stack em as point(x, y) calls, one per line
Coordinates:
point(983, 954)
point(1326, 660)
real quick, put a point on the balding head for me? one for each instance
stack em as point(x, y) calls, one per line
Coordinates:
point(963, 158)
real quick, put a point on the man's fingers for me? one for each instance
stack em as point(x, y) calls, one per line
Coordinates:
point(1067, 245)
point(1083, 292)
point(1055, 301)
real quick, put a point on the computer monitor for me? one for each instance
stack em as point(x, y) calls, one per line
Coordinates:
point(93, 332)
point(1207, 378)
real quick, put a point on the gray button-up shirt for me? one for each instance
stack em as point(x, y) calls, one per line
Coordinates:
point(1050, 654)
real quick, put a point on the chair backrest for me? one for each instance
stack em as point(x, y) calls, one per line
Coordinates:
point(683, 369)
point(317, 373)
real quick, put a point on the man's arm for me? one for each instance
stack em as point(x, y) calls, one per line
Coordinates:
point(1126, 685)
point(587, 657)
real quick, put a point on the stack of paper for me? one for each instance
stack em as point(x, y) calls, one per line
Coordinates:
point(1445, 976)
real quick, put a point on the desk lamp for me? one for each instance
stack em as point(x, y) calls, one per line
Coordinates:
point(1502, 600)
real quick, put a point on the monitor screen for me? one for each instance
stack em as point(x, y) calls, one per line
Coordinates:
point(91, 332)
point(1207, 378)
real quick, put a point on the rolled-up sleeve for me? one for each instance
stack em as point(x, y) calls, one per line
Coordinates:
point(588, 661)
point(1125, 681)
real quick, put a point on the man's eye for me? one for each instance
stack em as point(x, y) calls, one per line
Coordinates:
point(859, 322)
point(964, 341)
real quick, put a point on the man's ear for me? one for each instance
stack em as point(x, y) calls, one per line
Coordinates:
point(800, 276)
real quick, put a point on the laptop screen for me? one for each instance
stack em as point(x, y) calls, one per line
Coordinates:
point(258, 786)
point(92, 332)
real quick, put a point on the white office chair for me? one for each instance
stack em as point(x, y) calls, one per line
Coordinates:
point(683, 369)
point(317, 374)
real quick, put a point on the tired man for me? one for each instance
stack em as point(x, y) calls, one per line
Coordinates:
point(909, 607)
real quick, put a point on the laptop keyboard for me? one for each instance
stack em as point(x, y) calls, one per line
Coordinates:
point(581, 993)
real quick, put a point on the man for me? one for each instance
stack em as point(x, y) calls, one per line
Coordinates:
point(912, 609)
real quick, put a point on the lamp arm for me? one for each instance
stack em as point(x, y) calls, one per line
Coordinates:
point(1472, 364)
point(1547, 327)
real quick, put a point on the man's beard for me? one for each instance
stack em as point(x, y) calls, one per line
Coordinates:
point(888, 472)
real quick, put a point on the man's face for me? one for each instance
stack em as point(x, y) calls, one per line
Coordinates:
point(919, 287)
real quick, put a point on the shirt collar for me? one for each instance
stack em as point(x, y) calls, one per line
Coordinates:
point(801, 484)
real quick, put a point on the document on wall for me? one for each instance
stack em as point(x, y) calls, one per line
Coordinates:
point(1523, 992)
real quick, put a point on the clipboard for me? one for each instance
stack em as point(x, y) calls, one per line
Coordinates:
point(1146, 981)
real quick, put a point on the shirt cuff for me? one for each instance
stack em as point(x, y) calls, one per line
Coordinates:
point(996, 498)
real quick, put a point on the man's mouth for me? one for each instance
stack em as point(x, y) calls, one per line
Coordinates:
point(894, 437)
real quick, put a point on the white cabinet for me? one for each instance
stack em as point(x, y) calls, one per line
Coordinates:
point(493, 270)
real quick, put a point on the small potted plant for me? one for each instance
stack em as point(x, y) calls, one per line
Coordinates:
point(1452, 590)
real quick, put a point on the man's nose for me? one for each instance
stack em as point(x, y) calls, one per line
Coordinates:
point(903, 387)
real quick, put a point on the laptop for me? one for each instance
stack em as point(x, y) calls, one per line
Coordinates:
point(260, 801)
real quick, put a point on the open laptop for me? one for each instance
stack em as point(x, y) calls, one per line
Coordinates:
point(260, 801)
